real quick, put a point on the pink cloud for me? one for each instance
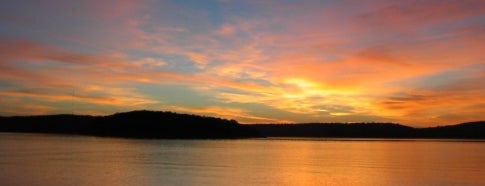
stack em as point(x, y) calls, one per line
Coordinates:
point(14, 50)
point(226, 30)
point(198, 58)
point(415, 15)
point(295, 57)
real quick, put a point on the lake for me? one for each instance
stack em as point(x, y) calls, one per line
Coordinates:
point(40, 159)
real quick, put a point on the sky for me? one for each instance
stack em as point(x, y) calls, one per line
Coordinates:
point(419, 63)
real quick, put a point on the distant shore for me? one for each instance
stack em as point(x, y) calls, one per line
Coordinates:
point(170, 125)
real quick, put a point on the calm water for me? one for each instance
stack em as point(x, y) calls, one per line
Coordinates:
point(36, 159)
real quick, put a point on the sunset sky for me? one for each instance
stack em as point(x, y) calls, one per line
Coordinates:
point(419, 63)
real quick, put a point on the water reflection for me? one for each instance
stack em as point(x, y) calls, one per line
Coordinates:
point(27, 159)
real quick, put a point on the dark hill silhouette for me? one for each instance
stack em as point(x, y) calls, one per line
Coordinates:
point(471, 130)
point(357, 130)
point(135, 124)
point(170, 125)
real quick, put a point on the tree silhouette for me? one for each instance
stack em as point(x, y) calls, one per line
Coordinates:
point(170, 125)
point(135, 124)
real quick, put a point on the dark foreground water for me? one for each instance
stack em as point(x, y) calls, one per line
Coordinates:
point(36, 159)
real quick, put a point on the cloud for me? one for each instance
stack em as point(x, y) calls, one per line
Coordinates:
point(15, 50)
point(148, 62)
point(226, 30)
point(13, 106)
point(198, 58)
point(116, 97)
point(228, 113)
point(318, 61)
point(433, 108)
point(412, 15)
point(455, 99)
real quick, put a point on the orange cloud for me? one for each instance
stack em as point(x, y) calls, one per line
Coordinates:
point(455, 100)
point(14, 106)
point(320, 61)
point(228, 113)
point(434, 109)
point(199, 59)
point(124, 98)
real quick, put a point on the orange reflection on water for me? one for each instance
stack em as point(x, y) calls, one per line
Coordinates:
point(62, 160)
point(310, 163)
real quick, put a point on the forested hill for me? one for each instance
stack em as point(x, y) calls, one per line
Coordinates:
point(135, 124)
point(465, 130)
point(335, 130)
point(170, 125)
point(471, 130)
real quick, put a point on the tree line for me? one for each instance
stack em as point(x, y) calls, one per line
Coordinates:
point(170, 125)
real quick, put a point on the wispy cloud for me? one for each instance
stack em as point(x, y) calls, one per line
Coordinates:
point(240, 114)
